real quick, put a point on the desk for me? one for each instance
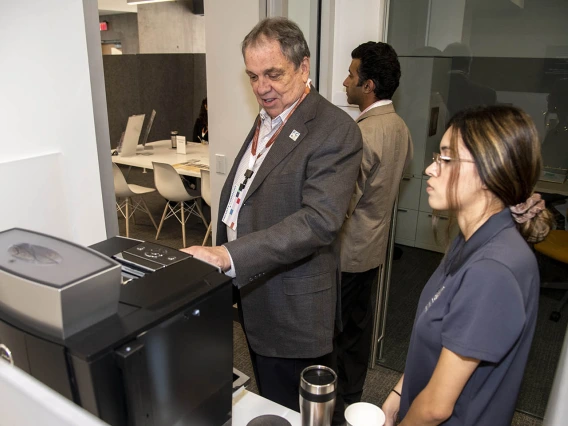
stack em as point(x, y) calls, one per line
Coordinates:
point(162, 152)
point(248, 405)
point(552, 188)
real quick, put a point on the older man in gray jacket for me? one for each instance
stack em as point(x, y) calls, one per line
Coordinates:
point(281, 210)
point(387, 148)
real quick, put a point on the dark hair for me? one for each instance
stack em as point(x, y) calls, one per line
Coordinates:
point(203, 111)
point(504, 144)
point(292, 42)
point(379, 62)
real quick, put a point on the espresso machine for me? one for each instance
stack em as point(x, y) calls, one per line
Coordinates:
point(134, 332)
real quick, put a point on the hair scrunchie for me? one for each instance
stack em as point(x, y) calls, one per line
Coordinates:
point(523, 212)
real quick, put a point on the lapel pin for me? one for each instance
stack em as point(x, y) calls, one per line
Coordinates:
point(294, 135)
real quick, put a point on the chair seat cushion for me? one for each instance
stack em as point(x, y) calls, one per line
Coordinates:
point(138, 190)
point(555, 246)
point(191, 194)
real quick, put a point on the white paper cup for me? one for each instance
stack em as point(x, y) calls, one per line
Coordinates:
point(364, 414)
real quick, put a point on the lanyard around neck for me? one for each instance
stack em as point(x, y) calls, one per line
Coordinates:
point(254, 146)
point(275, 135)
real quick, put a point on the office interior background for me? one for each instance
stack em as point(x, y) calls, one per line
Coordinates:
point(69, 89)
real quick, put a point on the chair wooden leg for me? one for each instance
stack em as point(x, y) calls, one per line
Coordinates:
point(133, 211)
point(127, 216)
point(207, 234)
point(182, 205)
point(162, 221)
point(201, 214)
point(148, 211)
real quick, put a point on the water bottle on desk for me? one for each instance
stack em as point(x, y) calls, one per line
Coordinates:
point(173, 136)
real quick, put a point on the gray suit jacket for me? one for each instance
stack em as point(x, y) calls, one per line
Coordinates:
point(286, 256)
point(387, 150)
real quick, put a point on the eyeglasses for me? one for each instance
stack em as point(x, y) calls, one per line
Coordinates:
point(440, 159)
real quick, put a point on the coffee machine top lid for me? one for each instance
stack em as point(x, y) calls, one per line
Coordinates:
point(48, 260)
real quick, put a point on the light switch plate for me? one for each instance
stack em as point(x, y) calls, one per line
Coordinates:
point(220, 164)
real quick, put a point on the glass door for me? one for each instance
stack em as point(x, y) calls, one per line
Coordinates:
point(462, 53)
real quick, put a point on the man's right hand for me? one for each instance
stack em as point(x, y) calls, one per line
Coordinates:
point(218, 256)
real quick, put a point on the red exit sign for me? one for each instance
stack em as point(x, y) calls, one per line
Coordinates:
point(103, 25)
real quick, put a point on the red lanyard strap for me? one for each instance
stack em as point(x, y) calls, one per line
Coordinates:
point(248, 171)
point(275, 135)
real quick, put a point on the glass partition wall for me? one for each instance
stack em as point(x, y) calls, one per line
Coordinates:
point(461, 53)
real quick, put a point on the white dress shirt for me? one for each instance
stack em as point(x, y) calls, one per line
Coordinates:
point(268, 127)
point(376, 104)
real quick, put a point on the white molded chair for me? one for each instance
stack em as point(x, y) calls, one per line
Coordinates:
point(124, 198)
point(206, 196)
point(169, 185)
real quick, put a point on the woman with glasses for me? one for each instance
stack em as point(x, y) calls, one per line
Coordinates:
point(476, 316)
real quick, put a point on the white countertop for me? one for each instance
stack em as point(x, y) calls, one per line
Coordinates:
point(248, 405)
point(162, 152)
point(552, 187)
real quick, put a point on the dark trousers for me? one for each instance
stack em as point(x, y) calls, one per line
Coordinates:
point(354, 342)
point(278, 379)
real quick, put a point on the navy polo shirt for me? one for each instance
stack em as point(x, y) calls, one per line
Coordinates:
point(480, 303)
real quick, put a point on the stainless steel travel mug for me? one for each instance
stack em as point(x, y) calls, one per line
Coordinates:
point(318, 387)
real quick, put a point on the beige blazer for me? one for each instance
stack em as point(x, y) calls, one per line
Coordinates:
point(387, 150)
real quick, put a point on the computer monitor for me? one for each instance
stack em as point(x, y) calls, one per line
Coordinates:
point(148, 128)
point(132, 135)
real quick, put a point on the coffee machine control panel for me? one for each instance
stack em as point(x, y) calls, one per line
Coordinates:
point(146, 258)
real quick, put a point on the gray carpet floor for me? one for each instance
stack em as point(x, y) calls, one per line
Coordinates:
point(409, 276)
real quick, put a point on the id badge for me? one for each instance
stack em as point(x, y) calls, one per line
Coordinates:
point(233, 207)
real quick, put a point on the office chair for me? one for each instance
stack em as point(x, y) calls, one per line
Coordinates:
point(555, 246)
point(170, 186)
point(206, 195)
point(127, 193)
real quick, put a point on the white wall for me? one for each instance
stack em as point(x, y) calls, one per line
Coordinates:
point(116, 6)
point(299, 11)
point(170, 27)
point(446, 20)
point(232, 105)
point(305, 14)
point(49, 166)
point(354, 22)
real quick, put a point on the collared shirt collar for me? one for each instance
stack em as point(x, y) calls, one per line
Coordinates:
point(462, 249)
point(278, 119)
point(376, 104)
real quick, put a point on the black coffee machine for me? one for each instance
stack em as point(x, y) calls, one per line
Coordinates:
point(134, 332)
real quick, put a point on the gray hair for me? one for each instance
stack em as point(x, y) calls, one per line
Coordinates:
point(292, 42)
